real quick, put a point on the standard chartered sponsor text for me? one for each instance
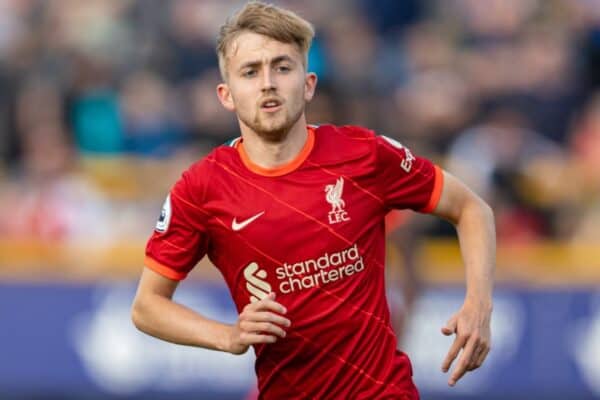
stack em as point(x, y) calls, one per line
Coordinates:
point(330, 267)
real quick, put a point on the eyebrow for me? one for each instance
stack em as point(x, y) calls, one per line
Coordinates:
point(276, 60)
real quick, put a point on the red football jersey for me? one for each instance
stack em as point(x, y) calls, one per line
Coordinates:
point(312, 232)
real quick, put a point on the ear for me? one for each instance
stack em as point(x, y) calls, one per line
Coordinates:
point(310, 84)
point(224, 95)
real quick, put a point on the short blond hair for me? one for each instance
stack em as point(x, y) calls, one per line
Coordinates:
point(268, 20)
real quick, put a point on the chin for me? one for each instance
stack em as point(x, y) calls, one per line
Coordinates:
point(273, 131)
point(275, 128)
point(273, 134)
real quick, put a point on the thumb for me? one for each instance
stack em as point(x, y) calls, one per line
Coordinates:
point(271, 296)
point(450, 327)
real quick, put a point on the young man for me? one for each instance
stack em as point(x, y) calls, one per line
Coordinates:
point(293, 217)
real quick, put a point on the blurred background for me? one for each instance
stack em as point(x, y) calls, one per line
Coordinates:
point(105, 102)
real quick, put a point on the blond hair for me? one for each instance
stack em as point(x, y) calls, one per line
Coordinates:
point(268, 20)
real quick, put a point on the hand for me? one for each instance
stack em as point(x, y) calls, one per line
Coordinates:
point(471, 324)
point(258, 322)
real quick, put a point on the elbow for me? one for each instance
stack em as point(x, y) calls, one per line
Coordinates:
point(138, 315)
point(482, 211)
point(486, 210)
point(472, 207)
point(477, 208)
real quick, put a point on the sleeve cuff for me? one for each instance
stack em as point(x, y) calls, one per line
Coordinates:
point(163, 270)
point(436, 193)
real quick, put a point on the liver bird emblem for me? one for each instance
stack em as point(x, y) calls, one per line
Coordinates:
point(334, 195)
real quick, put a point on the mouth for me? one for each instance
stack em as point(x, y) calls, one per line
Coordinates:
point(271, 105)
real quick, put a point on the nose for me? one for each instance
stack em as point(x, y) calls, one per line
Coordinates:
point(268, 83)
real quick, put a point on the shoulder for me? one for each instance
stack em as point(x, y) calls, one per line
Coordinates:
point(350, 133)
point(201, 171)
point(340, 143)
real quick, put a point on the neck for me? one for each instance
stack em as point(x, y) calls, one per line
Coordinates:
point(274, 154)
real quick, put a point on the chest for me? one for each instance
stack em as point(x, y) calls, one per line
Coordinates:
point(302, 213)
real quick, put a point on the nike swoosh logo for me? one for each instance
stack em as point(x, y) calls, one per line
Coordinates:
point(238, 226)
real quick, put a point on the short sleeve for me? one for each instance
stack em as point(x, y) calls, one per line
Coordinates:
point(179, 239)
point(407, 181)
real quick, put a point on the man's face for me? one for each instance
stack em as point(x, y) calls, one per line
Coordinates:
point(267, 85)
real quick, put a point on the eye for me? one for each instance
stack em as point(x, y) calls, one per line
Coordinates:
point(249, 73)
point(283, 68)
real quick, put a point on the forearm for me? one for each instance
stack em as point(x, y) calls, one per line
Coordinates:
point(161, 317)
point(477, 237)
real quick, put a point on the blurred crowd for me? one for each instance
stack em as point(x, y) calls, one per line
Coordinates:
point(105, 102)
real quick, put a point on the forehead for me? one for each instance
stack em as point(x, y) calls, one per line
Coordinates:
point(250, 47)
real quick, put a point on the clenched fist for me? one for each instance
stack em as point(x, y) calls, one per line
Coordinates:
point(259, 322)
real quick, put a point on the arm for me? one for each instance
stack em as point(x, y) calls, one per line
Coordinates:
point(474, 222)
point(155, 313)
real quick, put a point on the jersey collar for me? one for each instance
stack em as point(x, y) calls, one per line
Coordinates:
point(282, 169)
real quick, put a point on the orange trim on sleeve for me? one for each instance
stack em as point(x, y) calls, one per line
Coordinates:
point(438, 185)
point(163, 270)
point(283, 169)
